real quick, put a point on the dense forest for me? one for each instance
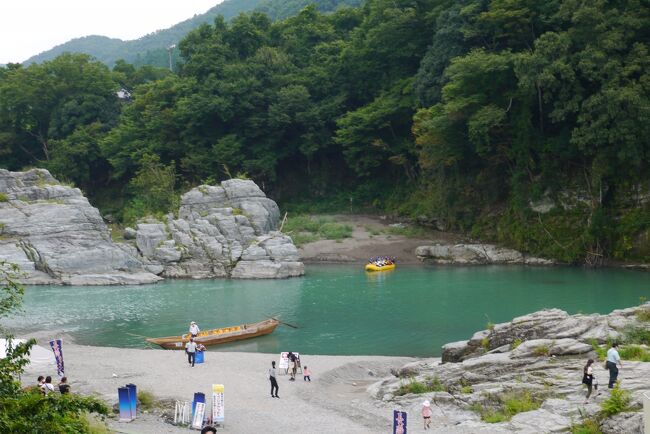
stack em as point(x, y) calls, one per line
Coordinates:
point(517, 121)
point(151, 49)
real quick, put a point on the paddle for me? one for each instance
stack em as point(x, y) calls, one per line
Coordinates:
point(282, 322)
point(137, 336)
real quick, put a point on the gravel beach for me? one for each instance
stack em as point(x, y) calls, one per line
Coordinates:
point(336, 400)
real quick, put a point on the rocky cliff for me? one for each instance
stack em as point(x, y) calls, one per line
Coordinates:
point(55, 236)
point(221, 231)
point(536, 358)
point(475, 254)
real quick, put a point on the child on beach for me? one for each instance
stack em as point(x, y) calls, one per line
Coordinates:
point(426, 414)
point(306, 374)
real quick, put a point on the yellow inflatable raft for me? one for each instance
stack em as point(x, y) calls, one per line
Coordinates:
point(373, 267)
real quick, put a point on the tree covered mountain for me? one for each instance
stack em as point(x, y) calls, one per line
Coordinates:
point(518, 121)
point(151, 49)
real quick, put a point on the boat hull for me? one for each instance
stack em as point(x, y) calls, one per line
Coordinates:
point(219, 336)
point(373, 267)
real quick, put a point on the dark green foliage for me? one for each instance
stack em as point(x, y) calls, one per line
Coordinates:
point(471, 112)
point(618, 401)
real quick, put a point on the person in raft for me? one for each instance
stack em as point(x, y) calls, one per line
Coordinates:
point(190, 349)
point(194, 329)
point(426, 414)
point(306, 374)
point(274, 382)
point(64, 387)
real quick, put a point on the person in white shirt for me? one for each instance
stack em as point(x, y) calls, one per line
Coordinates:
point(190, 349)
point(613, 359)
point(194, 329)
point(48, 386)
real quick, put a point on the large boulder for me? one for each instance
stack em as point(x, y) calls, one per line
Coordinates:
point(227, 230)
point(55, 236)
point(475, 254)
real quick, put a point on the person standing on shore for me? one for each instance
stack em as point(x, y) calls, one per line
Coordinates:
point(194, 329)
point(426, 414)
point(613, 359)
point(190, 349)
point(589, 380)
point(274, 381)
point(48, 387)
point(64, 387)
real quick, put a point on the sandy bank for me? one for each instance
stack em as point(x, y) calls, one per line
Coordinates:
point(370, 237)
point(335, 401)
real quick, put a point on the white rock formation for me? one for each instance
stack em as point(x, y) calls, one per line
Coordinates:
point(56, 236)
point(221, 231)
point(475, 254)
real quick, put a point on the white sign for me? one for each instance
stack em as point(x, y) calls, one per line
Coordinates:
point(199, 413)
point(284, 361)
point(218, 405)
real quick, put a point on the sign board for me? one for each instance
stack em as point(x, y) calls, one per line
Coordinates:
point(284, 361)
point(218, 405)
point(199, 413)
point(399, 422)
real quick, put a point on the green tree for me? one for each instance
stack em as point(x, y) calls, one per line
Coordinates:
point(26, 412)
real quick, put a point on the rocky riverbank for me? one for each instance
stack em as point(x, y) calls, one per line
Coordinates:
point(534, 360)
point(56, 236)
point(475, 254)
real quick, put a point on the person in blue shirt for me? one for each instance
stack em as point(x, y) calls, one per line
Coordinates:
point(613, 361)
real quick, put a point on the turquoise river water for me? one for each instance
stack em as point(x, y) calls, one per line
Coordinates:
point(411, 311)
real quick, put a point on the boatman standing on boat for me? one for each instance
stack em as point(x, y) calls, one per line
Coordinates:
point(194, 329)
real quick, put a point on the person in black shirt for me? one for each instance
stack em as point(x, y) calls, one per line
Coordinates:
point(64, 387)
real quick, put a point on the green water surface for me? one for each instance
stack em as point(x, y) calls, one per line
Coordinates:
point(411, 311)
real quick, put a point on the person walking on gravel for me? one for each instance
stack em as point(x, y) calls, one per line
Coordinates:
point(274, 382)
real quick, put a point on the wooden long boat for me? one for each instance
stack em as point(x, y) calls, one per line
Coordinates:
point(220, 335)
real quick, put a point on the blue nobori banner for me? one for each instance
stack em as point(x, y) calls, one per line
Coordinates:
point(58, 355)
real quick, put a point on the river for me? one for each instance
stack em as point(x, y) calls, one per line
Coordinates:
point(339, 309)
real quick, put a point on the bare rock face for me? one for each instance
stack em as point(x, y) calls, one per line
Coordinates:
point(56, 237)
point(475, 254)
point(540, 356)
point(221, 231)
point(551, 329)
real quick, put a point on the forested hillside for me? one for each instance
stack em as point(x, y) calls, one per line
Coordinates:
point(517, 121)
point(152, 48)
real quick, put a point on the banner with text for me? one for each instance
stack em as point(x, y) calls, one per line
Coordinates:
point(399, 422)
point(199, 413)
point(218, 405)
point(58, 355)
